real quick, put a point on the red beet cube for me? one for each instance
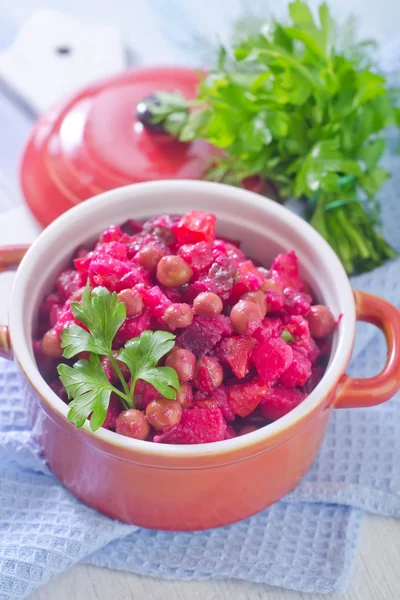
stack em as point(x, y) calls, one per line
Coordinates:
point(132, 328)
point(208, 374)
point(113, 234)
point(201, 336)
point(199, 256)
point(298, 372)
point(144, 394)
point(114, 408)
point(46, 307)
point(197, 426)
point(296, 303)
point(221, 276)
point(107, 271)
point(245, 397)
point(68, 282)
point(236, 352)
point(275, 301)
point(114, 249)
point(82, 263)
point(248, 279)
point(154, 300)
point(196, 226)
point(221, 246)
point(217, 399)
point(163, 228)
point(269, 328)
point(285, 271)
point(230, 433)
point(272, 358)
point(280, 401)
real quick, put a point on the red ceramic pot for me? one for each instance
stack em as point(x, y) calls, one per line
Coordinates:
point(200, 486)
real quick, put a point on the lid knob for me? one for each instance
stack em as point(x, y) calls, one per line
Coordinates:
point(163, 112)
point(146, 116)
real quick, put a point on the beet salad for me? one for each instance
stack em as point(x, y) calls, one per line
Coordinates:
point(163, 332)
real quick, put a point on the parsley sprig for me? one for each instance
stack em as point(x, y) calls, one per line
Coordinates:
point(86, 382)
point(294, 107)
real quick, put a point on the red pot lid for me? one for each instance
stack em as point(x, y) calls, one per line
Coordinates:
point(94, 142)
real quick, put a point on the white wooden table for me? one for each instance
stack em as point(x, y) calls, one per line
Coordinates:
point(377, 577)
point(152, 29)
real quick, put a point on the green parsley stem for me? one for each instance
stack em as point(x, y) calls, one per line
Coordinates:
point(132, 391)
point(119, 373)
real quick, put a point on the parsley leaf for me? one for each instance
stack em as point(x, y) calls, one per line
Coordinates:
point(103, 315)
point(141, 356)
point(86, 382)
point(295, 107)
point(90, 389)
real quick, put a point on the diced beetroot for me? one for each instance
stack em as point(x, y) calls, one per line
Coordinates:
point(65, 319)
point(230, 433)
point(298, 327)
point(245, 397)
point(199, 256)
point(217, 399)
point(275, 301)
point(48, 303)
point(248, 279)
point(272, 358)
point(296, 303)
point(224, 324)
point(114, 408)
point(54, 314)
point(107, 271)
point(137, 242)
point(196, 226)
point(174, 294)
point(269, 328)
point(82, 263)
point(201, 336)
point(197, 426)
point(68, 282)
point(132, 328)
point(59, 389)
point(163, 227)
point(131, 227)
point(208, 374)
point(134, 277)
point(309, 348)
point(313, 381)
point(192, 290)
point(220, 246)
point(285, 270)
point(154, 300)
point(82, 251)
point(221, 276)
point(114, 249)
point(113, 234)
point(236, 351)
point(144, 394)
point(280, 401)
point(298, 372)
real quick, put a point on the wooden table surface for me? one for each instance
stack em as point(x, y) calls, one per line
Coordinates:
point(376, 577)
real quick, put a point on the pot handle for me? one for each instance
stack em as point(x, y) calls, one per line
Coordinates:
point(356, 392)
point(10, 257)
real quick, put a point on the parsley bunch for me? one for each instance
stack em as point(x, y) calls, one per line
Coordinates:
point(86, 382)
point(289, 106)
